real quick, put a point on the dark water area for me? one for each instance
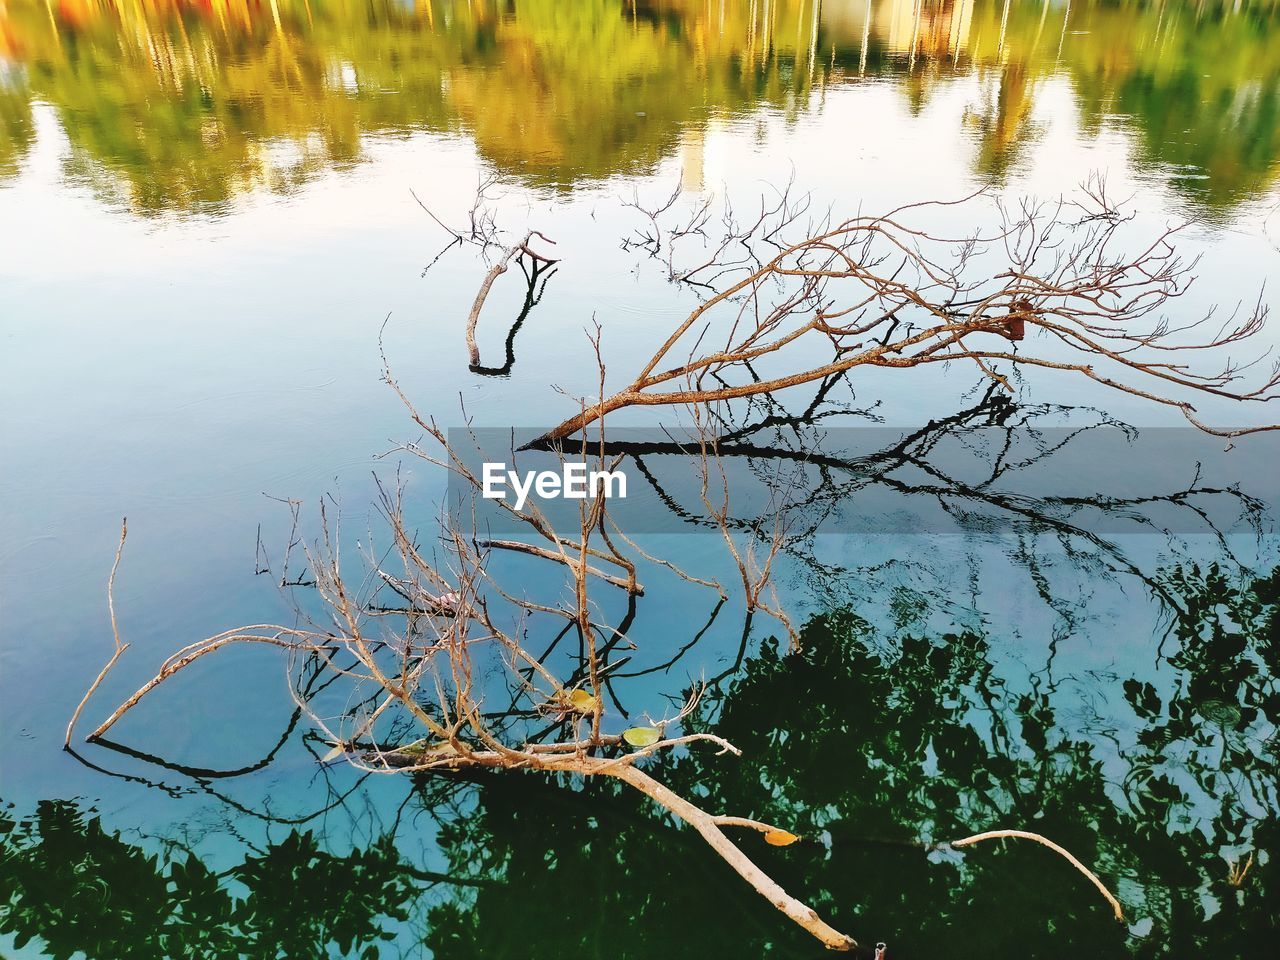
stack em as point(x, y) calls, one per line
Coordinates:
point(211, 218)
point(901, 739)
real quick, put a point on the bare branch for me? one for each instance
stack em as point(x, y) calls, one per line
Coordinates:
point(115, 634)
point(1061, 851)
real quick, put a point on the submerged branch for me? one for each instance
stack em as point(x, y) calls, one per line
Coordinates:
point(498, 269)
point(120, 648)
point(1060, 851)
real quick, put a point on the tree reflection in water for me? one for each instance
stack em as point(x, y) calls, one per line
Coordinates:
point(864, 747)
point(81, 888)
point(866, 742)
point(184, 105)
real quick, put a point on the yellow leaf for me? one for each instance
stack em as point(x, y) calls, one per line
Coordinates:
point(779, 838)
point(641, 736)
point(584, 702)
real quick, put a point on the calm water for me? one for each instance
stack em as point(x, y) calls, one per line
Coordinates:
point(206, 215)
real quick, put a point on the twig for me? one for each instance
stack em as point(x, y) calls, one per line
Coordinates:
point(497, 270)
point(1061, 851)
point(115, 633)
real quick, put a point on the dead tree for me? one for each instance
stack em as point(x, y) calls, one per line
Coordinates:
point(1049, 287)
point(456, 638)
point(459, 644)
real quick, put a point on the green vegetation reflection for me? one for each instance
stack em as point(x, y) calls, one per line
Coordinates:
point(184, 104)
point(864, 743)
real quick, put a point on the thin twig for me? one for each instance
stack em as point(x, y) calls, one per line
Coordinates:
point(1061, 851)
point(115, 633)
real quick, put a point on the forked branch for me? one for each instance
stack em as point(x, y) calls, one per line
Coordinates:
point(1045, 289)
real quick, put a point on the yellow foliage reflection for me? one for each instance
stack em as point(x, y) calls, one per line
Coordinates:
point(184, 104)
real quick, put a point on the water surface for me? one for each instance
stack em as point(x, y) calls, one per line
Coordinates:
point(207, 212)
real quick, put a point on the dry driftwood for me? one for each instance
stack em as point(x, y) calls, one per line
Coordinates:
point(1045, 289)
point(459, 623)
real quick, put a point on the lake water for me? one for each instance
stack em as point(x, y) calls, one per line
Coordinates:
point(211, 211)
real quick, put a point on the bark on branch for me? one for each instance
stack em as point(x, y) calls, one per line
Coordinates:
point(879, 291)
point(498, 269)
point(1060, 851)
